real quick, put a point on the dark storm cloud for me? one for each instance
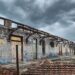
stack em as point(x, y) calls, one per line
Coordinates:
point(55, 16)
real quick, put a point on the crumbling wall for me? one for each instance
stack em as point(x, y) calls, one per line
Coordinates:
point(5, 51)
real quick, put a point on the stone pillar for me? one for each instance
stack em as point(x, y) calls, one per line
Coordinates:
point(7, 23)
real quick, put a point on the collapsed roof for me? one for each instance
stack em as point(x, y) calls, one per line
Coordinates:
point(30, 31)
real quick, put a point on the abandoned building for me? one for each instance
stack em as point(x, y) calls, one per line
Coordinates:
point(32, 43)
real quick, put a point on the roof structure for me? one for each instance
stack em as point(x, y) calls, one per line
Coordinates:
point(31, 31)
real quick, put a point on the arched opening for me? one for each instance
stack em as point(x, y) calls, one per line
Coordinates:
point(42, 42)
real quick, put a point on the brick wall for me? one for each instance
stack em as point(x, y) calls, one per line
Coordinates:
point(49, 68)
point(5, 71)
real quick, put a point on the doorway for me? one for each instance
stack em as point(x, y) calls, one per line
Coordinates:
point(43, 47)
point(16, 40)
point(13, 50)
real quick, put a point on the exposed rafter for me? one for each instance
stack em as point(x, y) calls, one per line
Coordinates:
point(32, 31)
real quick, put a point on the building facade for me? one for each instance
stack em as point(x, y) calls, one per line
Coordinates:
point(32, 43)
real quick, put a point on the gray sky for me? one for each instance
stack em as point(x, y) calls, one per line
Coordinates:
point(53, 16)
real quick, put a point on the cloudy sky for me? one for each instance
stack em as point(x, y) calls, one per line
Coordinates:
point(53, 16)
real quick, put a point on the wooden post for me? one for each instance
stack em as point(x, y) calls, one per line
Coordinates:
point(36, 48)
point(17, 60)
point(22, 49)
point(61, 50)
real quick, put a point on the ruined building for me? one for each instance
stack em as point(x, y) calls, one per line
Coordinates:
point(32, 43)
